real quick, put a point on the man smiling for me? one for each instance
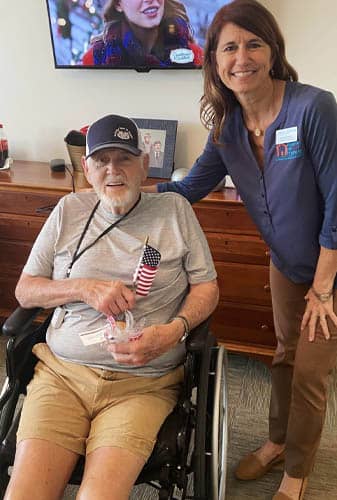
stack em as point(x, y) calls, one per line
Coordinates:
point(108, 404)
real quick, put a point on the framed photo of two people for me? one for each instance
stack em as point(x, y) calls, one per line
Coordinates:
point(159, 140)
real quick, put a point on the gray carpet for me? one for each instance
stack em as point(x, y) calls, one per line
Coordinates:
point(249, 390)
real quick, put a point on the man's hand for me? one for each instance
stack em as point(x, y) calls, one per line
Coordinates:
point(108, 297)
point(317, 311)
point(154, 341)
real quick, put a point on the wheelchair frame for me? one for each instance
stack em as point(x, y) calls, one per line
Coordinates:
point(198, 422)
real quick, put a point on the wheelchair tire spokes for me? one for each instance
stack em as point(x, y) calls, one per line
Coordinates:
point(220, 427)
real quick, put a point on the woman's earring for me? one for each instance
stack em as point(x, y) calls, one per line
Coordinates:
point(272, 72)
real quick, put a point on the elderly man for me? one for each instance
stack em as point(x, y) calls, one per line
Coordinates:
point(90, 263)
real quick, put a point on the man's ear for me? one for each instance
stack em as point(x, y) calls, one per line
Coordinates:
point(86, 172)
point(145, 166)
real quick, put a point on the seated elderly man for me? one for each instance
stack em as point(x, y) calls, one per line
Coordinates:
point(107, 402)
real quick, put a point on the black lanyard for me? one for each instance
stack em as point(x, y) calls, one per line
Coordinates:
point(78, 254)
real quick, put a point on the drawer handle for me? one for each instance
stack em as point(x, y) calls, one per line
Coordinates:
point(267, 253)
point(266, 288)
point(264, 327)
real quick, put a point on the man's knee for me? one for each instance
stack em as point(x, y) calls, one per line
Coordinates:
point(110, 472)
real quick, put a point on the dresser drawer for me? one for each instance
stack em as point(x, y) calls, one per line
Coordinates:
point(244, 283)
point(27, 203)
point(243, 324)
point(13, 257)
point(19, 227)
point(238, 248)
point(219, 219)
point(7, 297)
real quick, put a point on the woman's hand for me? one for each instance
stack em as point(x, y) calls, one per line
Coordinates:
point(317, 310)
point(154, 341)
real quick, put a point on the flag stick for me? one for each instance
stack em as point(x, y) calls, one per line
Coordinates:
point(135, 274)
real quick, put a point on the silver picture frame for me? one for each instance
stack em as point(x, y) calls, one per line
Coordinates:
point(159, 140)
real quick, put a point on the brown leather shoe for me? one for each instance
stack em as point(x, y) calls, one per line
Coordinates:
point(282, 496)
point(250, 467)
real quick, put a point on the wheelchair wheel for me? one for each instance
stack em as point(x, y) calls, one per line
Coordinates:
point(210, 449)
point(203, 424)
point(220, 427)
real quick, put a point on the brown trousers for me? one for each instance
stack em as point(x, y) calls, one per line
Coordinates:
point(300, 376)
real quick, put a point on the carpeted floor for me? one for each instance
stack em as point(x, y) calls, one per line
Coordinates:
point(249, 390)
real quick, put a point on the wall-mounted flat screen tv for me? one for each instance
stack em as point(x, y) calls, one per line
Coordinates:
point(131, 34)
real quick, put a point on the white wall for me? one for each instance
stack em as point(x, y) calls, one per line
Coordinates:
point(39, 105)
point(309, 28)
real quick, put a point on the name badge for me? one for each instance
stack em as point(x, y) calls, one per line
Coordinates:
point(93, 336)
point(286, 135)
point(58, 317)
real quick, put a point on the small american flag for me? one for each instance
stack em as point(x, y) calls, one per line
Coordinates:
point(146, 270)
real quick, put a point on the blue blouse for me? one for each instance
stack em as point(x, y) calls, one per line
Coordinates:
point(293, 200)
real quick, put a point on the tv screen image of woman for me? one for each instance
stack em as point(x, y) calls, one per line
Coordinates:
point(139, 34)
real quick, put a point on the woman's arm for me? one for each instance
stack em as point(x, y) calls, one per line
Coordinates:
point(321, 141)
point(206, 173)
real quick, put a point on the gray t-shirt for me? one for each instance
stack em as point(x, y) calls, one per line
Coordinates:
point(173, 229)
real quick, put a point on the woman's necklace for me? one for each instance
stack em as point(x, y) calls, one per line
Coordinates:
point(258, 132)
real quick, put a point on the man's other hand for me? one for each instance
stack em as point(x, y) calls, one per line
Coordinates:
point(154, 341)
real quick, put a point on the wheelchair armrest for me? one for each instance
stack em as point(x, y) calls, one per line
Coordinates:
point(19, 321)
point(196, 340)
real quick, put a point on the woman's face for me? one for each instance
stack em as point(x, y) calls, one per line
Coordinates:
point(142, 13)
point(243, 60)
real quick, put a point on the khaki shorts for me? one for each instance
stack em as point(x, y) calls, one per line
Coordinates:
point(82, 408)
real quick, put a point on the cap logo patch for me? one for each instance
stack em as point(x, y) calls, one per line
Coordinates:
point(123, 133)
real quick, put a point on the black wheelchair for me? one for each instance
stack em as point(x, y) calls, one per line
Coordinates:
point(189, 459)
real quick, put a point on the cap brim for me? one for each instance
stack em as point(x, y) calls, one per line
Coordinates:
point(113, 145)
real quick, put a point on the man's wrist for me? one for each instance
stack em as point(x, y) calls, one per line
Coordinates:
point(186, 327)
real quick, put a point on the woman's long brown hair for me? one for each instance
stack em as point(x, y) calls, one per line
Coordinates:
point(218, 100)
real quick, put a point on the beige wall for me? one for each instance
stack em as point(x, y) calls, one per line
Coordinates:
point(309, 28)
point(39, 104)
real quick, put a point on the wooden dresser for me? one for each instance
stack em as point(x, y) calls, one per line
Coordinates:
point(243, 320)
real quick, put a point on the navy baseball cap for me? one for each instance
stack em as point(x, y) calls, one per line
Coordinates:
point(113, 131)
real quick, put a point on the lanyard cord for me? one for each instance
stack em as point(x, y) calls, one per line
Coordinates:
point(78, 254)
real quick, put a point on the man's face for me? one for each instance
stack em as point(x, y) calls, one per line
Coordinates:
point(157, 146)
point(116, 176)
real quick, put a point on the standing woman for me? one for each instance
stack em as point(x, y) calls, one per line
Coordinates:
point(277, 139)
